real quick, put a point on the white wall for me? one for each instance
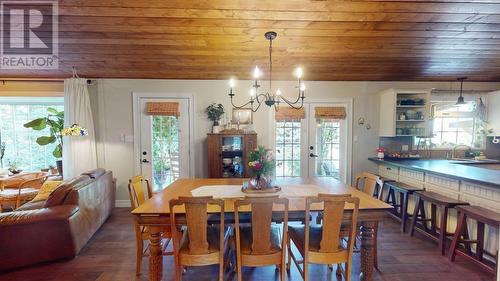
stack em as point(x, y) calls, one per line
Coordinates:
point(112, 99)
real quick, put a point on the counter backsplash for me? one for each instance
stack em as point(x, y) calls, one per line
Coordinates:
point(395, 145)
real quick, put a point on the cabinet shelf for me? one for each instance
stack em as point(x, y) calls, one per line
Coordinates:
point(241, 145)
point(391, 109)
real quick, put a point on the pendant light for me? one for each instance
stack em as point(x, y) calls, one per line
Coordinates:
point(460, 100)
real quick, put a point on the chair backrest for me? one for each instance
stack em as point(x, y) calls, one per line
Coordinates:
point(333, 212)
point(36, 182)
point(370, 182)
point(136, 191)
point(196, 221)
point(16, 180)
point(262, 215)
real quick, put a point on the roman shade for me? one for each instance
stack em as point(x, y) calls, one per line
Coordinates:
point(163, 108)
point(329, 112)
point(289, 113)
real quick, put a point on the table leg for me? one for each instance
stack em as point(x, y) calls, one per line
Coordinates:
point(368, 242)
point(156, 257)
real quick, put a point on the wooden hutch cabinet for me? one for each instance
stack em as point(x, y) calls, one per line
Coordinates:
point(228, 153)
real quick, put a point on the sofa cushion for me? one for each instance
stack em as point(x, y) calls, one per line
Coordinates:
point(46, 190)
point(32, 205)
point(93, 174)
point(58, 196)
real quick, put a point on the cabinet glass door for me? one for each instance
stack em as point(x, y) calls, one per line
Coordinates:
point(232, 156)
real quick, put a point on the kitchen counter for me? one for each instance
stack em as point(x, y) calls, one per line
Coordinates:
point(476, 174)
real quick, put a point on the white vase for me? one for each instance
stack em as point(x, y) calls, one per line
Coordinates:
point(216, 129)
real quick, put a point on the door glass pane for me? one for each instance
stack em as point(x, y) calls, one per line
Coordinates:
point(165, 151)
point(288, 148)
point(328, 148)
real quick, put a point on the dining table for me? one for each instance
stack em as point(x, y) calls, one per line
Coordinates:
point(155, 213)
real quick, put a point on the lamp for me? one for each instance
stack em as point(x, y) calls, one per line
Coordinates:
point(460, 100)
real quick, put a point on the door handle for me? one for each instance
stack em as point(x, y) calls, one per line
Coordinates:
point(313, 155)
point(145, 161)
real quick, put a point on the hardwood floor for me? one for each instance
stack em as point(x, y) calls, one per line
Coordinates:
point(110, 255)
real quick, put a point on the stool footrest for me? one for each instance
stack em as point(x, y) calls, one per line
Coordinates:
point(468, 241)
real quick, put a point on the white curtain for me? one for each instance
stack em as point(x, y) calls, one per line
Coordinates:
point(79, 152)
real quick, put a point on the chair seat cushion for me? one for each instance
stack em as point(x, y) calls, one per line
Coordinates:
point(27, 192)
point(246, 239)
point(298, 235)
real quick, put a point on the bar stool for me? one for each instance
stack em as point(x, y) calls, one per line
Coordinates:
point(400, 211)
point(380, 187)
point(483, 217)
point(436, 200)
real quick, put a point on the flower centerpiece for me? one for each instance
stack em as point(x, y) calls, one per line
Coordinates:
point(261, 167)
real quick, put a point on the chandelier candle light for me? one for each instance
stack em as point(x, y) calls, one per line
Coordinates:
point(269, 98)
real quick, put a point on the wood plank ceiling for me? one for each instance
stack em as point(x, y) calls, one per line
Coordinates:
point(332, 40)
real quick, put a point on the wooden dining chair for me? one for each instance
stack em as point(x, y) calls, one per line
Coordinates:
point(14, 181)
point(262, 243)
point(139, 190)
point(199, 243)
point(367, 183)
point(24, 190)
point(323, 244)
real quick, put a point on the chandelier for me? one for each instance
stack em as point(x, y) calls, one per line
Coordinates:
point(269, 98)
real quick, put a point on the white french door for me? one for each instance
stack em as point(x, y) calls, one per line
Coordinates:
point(327, 149)
point(313, 147)
point(164, 143)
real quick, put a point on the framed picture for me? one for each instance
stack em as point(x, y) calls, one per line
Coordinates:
point(242, 116)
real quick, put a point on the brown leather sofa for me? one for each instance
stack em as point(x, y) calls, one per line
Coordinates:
point(59, 227)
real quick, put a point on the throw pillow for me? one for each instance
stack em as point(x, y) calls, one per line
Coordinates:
point(57, 196)
point(45, 190)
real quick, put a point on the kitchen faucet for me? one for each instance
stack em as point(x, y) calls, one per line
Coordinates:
point(453, 156)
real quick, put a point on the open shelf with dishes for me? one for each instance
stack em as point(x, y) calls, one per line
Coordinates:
point(405, 113)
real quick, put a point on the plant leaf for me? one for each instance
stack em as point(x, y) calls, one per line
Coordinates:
point(57, 151)
point(45, 140)
point(52, 110)
point(37, 124)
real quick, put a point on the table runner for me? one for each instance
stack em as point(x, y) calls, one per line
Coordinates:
point(234, 191)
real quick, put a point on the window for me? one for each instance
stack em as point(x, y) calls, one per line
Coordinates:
point(454, 125)
point(288, 148)
point(165, 143)
point(21, 148)
point(328, 144)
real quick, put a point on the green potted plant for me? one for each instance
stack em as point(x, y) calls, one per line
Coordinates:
point(214, 113)
point(55, 122)
point(13, 167)
point(53, 170)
